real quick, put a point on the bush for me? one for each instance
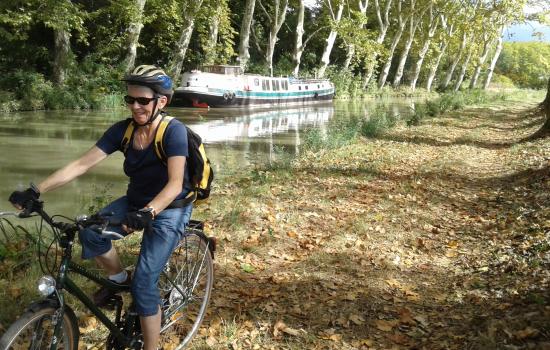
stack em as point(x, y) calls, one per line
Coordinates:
point(377, 122)
point(89, 85)
point(346, 84)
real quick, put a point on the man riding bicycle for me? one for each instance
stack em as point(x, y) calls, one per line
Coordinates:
point(156, 200)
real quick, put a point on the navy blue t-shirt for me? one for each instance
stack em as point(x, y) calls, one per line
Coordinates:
point(148, 175)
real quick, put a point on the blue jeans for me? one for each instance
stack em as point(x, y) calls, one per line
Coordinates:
point(156, 248)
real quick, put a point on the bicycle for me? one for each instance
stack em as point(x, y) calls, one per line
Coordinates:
point(50, 323)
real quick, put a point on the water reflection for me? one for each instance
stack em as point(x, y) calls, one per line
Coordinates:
point(34, 144)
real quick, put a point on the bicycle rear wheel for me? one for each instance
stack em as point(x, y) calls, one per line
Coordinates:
point(186, 284)
point(34, 330)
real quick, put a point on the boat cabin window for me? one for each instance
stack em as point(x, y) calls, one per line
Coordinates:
point(256, 82)
point(307, 87)
point(318, 86)
point(299, 87)
point(285, 84)
point(273, 85)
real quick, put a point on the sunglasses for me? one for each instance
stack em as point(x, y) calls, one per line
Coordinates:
point(144, 101)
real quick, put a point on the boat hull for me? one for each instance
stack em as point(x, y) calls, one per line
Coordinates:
point(189, 98)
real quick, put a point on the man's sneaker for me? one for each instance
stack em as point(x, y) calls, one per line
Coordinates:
point(104, 295)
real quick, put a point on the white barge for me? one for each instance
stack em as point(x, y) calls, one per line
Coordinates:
point(228, 86)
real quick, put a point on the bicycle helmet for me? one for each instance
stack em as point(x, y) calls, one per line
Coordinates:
point(153, 77)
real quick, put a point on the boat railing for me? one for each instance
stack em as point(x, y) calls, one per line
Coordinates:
point(307, 81)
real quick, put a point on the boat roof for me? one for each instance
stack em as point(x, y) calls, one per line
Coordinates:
point(222, 69)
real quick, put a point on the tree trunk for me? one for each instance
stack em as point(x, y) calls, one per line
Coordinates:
point(178, 55)
point(414, 21)
point(244, 45)
point(349, 56)
point(134, 30)
point(435, 67)
point(325, 59)
point(544, 130)
point(363, 5)
point(386, 69)
point(546, 127)
point(61, 59)
point(275, 25)
point(298, 45)
point(460, 78)
point(451, 70)
point(480, 62)
point(213, 29)
point(494, 61)
point(383, 24)
point(432, 26)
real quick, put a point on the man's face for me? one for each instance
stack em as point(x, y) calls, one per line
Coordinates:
point(141, 113)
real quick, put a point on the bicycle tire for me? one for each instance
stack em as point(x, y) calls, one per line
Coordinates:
point(30, 330)
point(191, 268)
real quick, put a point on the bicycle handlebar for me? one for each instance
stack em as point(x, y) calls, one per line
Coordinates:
point(98, 223)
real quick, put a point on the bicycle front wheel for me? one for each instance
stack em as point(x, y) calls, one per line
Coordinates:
point(34, 330)
point(186, 284)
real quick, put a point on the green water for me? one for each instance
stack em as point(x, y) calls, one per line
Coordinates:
point(35, 144)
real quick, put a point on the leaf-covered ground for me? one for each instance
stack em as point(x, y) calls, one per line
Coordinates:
point(432, 237)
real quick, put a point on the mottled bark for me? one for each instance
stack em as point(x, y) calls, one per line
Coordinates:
point(275, 23)
point(494, 61)
point(480, 61)
point(298, 44)
point(213, 30)
point(61, 58)
point(134, 30)
point(432, 26)
point(178, 54)
point(462, 74)
point(451, 70)
point(363, 5)
point(546, 127)
point(435, 66)
point(383, 25)
point(402, 22)
point(325, 59)
point(414, 22)
point(349, 56)
point(244, 44)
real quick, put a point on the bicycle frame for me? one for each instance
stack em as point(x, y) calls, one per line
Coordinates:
point(121, 329)
point(65, 283)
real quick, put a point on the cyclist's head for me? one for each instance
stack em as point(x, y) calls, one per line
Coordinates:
point(152, 77)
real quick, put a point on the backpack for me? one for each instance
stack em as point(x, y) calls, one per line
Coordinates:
point(200, 171)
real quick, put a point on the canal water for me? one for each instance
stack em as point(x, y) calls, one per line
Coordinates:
point(34, 144)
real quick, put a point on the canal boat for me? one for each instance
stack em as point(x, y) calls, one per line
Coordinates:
point(228, 86)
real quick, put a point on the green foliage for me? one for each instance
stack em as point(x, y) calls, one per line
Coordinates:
point(346, 83)
point(377, 122)
point(344, 130)
point(221, 50)
point(526, 64)
point(88, 86)
point(451, 101)
point(502, 81)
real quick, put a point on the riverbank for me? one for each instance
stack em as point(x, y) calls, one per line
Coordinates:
point(431, 237)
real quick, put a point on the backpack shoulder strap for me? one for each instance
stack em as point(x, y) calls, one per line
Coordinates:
point(159, 137)
point(127, 136)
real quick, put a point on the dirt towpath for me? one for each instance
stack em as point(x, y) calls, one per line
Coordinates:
point(432, 237)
